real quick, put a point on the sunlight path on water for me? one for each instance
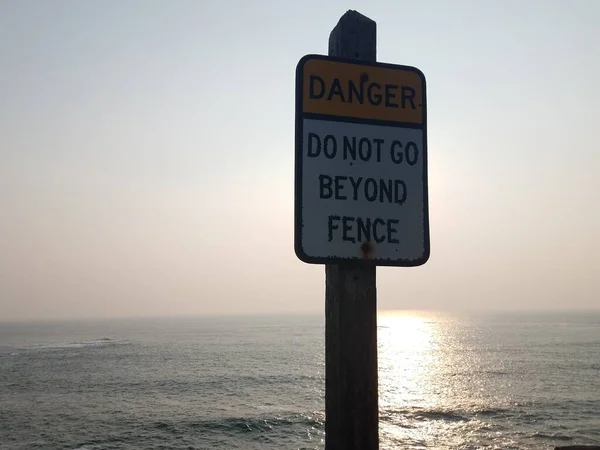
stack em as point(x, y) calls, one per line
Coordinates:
point(419, 353)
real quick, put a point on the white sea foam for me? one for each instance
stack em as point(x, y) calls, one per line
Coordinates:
point(74, 344)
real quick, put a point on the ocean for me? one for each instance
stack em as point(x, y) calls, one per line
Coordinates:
point(496, 381)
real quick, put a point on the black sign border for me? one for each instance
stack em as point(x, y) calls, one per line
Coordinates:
point(300, 116)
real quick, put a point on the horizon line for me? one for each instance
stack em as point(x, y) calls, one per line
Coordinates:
point(287, 314)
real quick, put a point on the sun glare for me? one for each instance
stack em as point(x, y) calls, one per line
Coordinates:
point(407, 357)
point(408, 364)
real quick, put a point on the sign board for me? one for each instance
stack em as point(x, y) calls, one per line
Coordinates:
point(361, 163)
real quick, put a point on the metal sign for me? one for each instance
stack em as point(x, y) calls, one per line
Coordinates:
point(361, 163)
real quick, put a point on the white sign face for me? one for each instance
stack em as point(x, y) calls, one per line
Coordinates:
point(361, 163)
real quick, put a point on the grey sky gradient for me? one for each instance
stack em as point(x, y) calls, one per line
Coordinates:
point(146, 154)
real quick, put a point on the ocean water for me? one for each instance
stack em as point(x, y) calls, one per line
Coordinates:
point(446, 382)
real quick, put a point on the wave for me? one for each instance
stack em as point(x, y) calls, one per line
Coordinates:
point(554, 437)
point(270, 431)
point(101, 342)
point(291, 423)
point(417, 414)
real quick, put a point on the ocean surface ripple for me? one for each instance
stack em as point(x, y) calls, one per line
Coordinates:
point(446, 382)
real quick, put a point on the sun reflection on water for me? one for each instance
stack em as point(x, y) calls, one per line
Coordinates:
point(451, 381)
point(408, 343)
point(411, 366)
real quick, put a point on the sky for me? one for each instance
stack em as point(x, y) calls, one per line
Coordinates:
point(147, 155)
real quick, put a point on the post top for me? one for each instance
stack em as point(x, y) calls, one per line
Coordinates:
point(354, 36)
point(353, 16)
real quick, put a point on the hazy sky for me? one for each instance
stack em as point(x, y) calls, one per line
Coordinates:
point(147, 154)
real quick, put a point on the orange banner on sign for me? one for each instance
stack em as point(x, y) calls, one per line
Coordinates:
point(362, 91)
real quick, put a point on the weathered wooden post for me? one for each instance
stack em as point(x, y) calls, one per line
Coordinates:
point(360, 201)
point(351, 385)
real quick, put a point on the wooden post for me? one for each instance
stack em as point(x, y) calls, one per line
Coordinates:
point(351, 388)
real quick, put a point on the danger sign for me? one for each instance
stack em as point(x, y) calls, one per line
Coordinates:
point(361, 163)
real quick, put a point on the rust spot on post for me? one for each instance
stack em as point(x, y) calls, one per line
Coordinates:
point(367, 249)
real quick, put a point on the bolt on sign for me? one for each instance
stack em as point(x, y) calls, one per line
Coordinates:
point(361, 163)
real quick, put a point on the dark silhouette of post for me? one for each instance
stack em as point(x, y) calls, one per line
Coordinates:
point(351, 387)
